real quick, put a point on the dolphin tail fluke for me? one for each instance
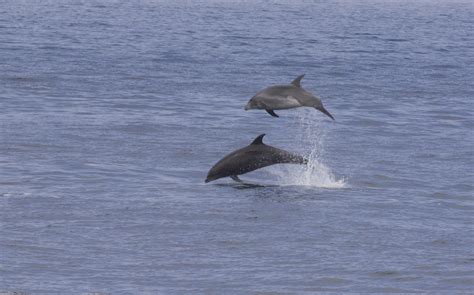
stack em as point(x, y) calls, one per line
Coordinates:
point(323, 110)
point(271, 112)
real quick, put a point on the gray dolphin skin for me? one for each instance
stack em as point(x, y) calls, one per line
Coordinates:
point(252, 157)
point(282, 97)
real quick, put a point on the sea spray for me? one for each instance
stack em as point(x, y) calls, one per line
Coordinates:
point(310, 138)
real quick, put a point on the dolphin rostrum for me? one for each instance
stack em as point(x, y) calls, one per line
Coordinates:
point(252, 157)
point(282, 97)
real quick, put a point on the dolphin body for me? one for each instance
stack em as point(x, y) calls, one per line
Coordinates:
point(282, 97)
point(252, 157)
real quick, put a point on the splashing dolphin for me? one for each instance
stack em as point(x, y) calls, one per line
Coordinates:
point(282, 97)
point(252, 157)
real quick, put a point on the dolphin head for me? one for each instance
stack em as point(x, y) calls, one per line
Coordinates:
point(250, 105)
point(324, 111)
point(254, 103)
point(212, 175)
point(210, 178)
point(317, 104)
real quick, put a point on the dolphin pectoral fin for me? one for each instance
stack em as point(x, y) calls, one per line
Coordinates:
point(271, 112)
point(236, 178)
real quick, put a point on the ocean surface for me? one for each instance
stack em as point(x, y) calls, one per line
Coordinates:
point(112, 113)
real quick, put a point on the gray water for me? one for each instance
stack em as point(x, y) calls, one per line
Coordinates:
point(112, 113)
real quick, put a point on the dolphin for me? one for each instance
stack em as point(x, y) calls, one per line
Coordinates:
point(252, 157)
point(282, 97)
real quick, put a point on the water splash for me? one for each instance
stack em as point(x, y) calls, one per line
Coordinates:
point(316, 173)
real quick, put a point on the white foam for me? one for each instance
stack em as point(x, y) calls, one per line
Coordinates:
point(314, 174)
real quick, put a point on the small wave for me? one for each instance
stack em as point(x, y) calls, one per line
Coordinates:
point(15, 195)
point(396, 40)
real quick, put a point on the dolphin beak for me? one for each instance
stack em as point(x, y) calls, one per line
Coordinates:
point(322, 109)
point(207, 180)
point(247, 107)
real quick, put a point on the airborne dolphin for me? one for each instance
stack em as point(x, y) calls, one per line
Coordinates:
point(282, 97)
point(252, 157)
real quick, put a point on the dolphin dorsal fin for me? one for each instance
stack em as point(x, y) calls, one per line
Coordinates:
point(297, 81)
point(258, 140)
